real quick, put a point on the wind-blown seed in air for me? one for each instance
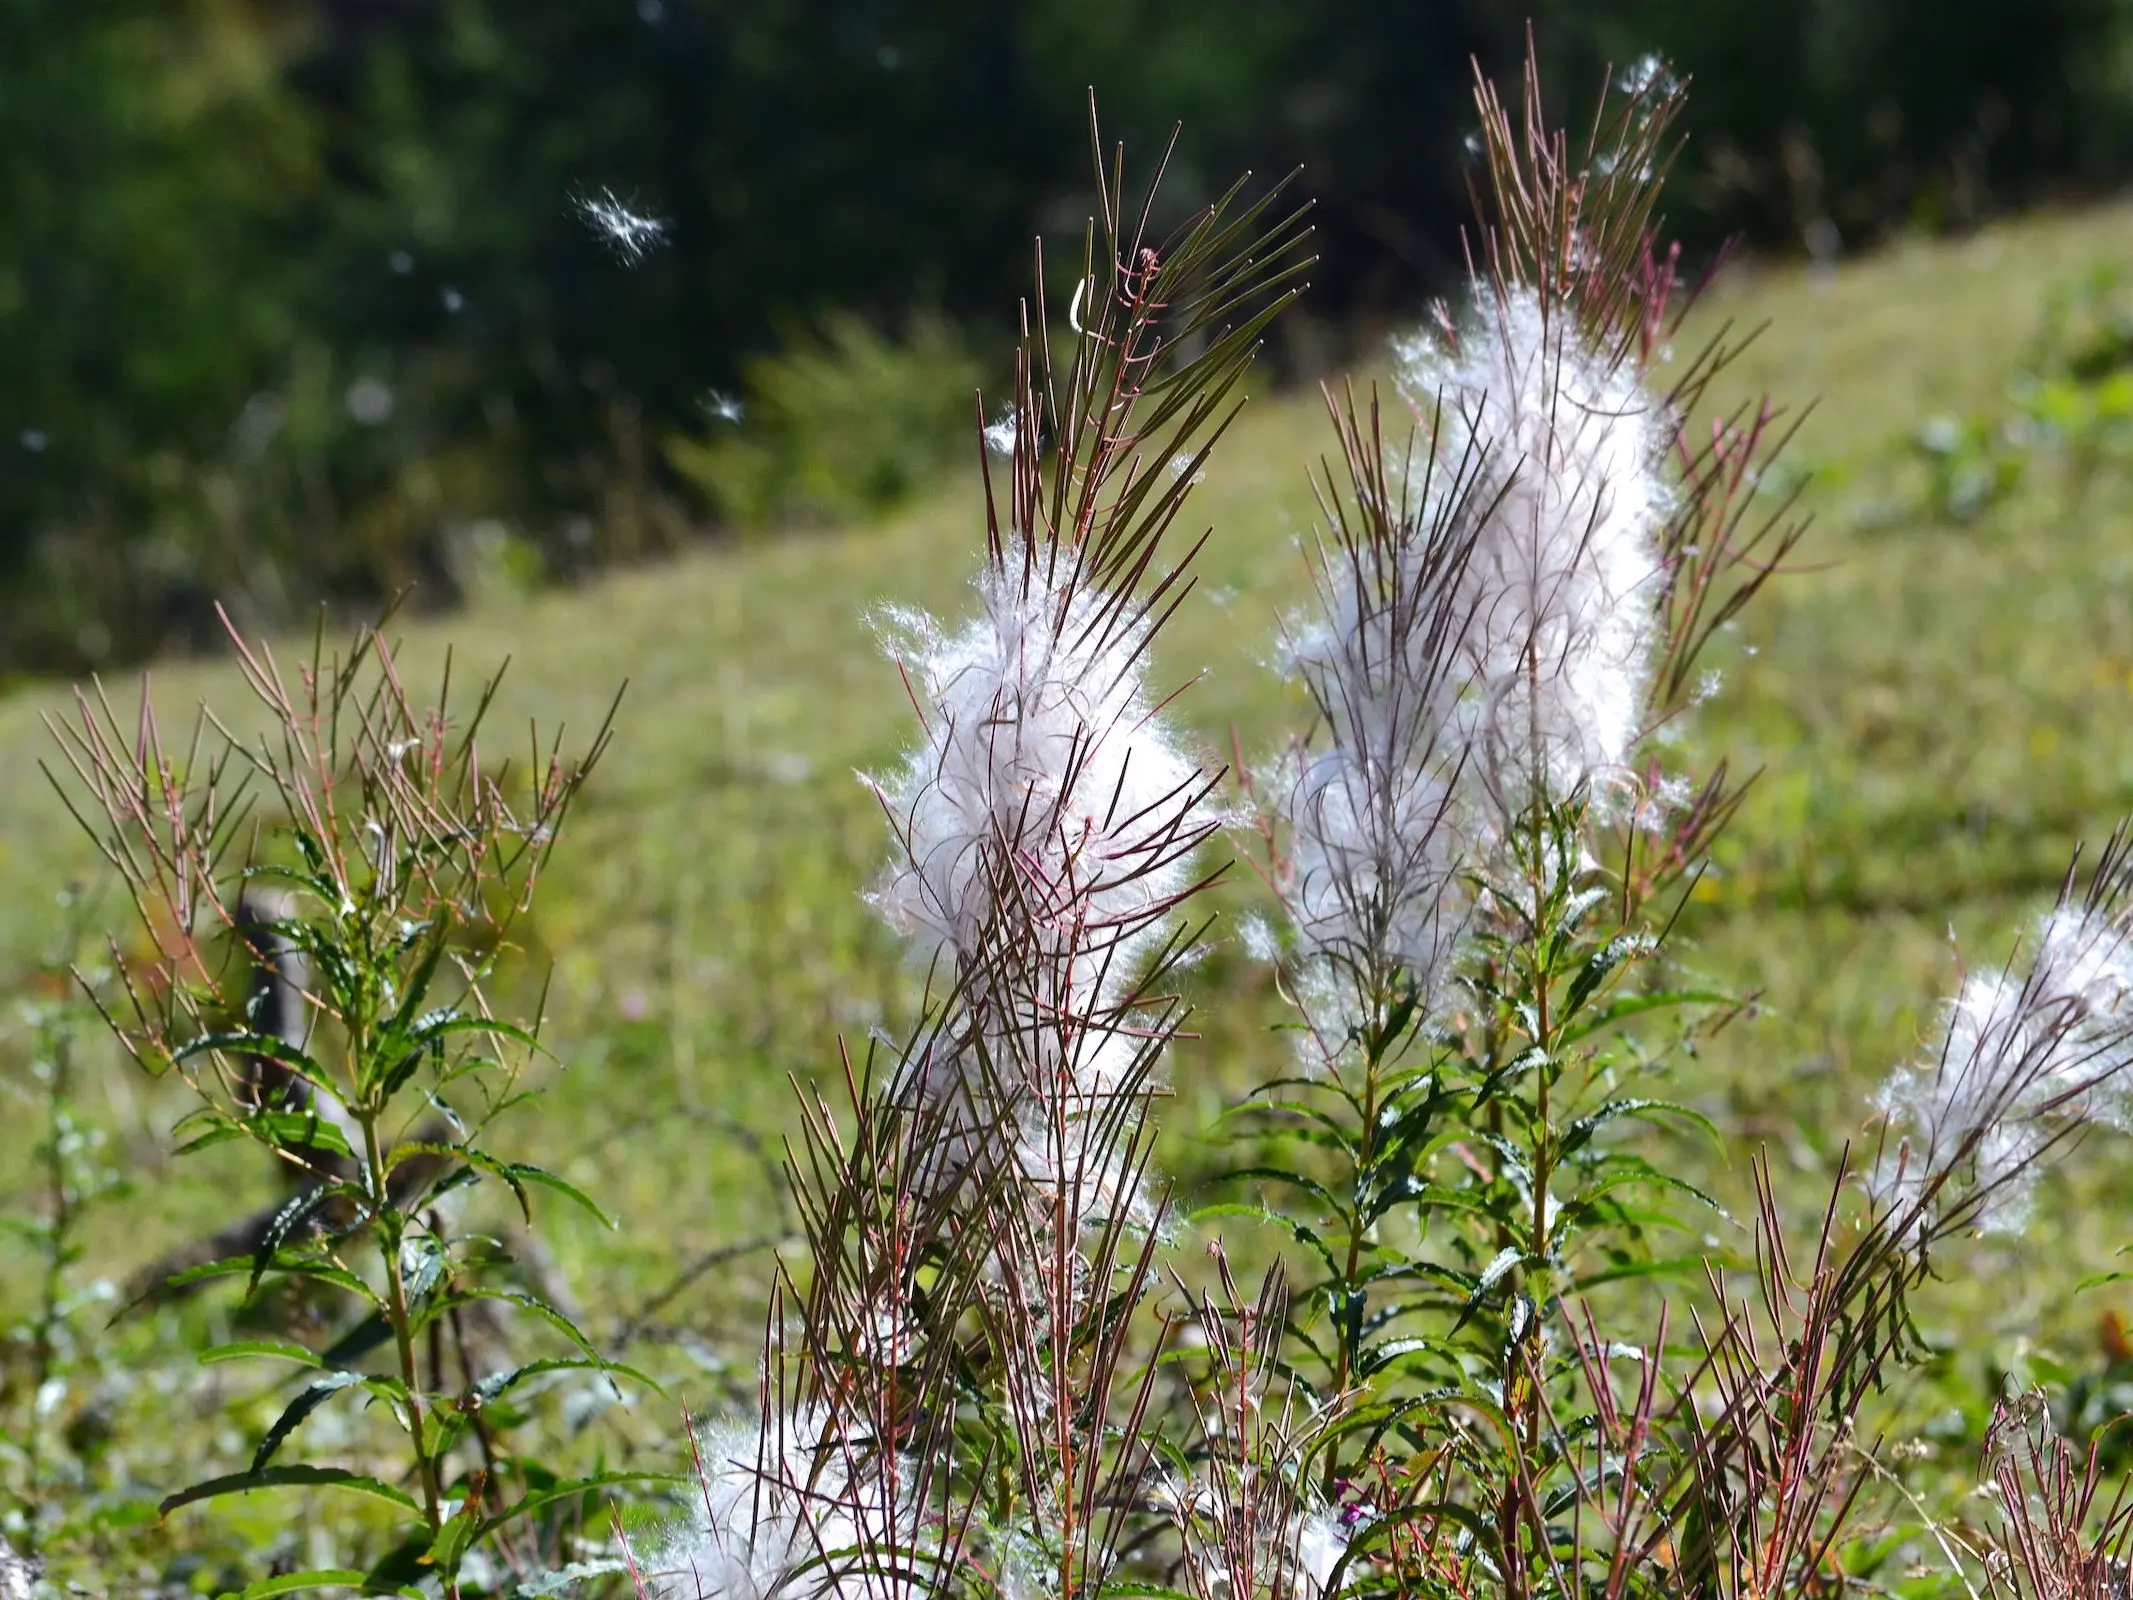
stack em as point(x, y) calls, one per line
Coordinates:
point(629, 233)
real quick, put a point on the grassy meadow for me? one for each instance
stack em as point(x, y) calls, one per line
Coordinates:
point(1938, 712)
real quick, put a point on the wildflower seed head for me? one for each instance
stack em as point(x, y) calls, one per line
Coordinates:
point(779, 1512)
point(1047, 1101)
point(1045, 800)
point(1371, 812)
point(2024, 1054)
point(1565, 575)
point(1371, 879)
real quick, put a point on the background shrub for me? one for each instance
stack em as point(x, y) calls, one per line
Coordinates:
point(841, 424)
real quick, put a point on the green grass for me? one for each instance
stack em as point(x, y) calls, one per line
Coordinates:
point(1939, 713)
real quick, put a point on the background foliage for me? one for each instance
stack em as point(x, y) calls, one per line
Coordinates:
point(296, 306)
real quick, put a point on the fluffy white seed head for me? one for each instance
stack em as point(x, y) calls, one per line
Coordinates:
point(1569, 498)
point(1233, 1544)
point(1068, 1146)
point(1370, 873)
point(1371, 877)
point(1489, 645)
point(1044, 828)
point(2022, 1056)
point(1046, 802)
point(781, 1515)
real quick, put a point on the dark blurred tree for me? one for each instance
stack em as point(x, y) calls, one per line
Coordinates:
point(1370, 97)
point(803, 156)
point(1818, 121)
point(151, 158)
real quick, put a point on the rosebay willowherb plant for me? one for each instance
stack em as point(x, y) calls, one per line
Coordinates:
point(1009, 1366)
point(971, 1380)
point(51, 1354)
point(322, 909)
point(1480, 848)
point(2063, 1542)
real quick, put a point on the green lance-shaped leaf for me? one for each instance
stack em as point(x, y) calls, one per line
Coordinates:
point(1308, 1237)
point(532, 1305)
point(1292, 1180)
point(1412, 1110)
point(1313, 1126)
point(278, 1130)
point(250, 1043)
point(1501, 1266)
point(1376, 1356)
point(424, 1260)
point(1531, 1060)
point(275, 1349)
point(284, 1266)
point(1624, 1170)
point(1424, 1196)
point(290, 1478)
point(430, 1032)
point(516, 1175)
point(1581, 1131)
point(500, 1383)
point(309, 1400)
point(1517, 1167)
point(373, 1332)
point(1622, 1007)
point(396, 1046)
point(323, 1578)
point(292, 1216)
point(1602, 964)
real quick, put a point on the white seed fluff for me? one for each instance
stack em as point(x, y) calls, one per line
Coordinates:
point(1320, 1544)
point(1571, 497)
point(629, 233)
point(1045, 799)
point(1001, 433)
point(1371, 876)
point(1043, 830)
point(1289, 1556)
point(2020, 1058)
point(778, 1516)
